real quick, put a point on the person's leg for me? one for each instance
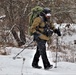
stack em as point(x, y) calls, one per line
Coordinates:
point(36, 59)
point(42, 51)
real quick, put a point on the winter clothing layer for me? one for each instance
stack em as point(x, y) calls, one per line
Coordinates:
point(38, 27)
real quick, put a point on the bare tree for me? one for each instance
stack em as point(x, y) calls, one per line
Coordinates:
point(14, 13)
point(17, 13)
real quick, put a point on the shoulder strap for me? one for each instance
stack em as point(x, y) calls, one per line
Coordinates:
point(41, 20)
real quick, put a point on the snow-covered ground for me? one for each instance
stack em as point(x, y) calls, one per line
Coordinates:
point(22, 64)
point(9, 66)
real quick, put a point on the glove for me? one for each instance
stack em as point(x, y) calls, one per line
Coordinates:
point(48, 32)
point(36, 36)
point(57, 31)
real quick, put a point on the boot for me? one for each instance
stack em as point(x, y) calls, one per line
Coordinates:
point(36, 66)
point(48, 67)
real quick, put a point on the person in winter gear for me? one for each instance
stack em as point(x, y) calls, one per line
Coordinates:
point(42, 29)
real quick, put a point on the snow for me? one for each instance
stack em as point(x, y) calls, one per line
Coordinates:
point(22, 64)
point(19, 66)
point(2, 16)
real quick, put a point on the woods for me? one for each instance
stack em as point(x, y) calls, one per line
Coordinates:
point(17, 12)
point(14, 23)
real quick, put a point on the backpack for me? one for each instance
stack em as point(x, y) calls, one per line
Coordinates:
point(34, 13)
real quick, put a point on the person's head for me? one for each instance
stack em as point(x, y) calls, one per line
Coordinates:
point(47, 12)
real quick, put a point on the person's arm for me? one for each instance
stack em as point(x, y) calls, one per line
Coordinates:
point(57, 31)
point(33, 28)
point(35, 24)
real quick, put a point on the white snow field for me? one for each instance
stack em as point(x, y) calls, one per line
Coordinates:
point(22, 64)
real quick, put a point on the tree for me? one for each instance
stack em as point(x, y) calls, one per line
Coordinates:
point(14, 13)
point(17, 13)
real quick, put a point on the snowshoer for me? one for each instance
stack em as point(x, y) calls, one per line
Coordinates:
point(42, 28)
